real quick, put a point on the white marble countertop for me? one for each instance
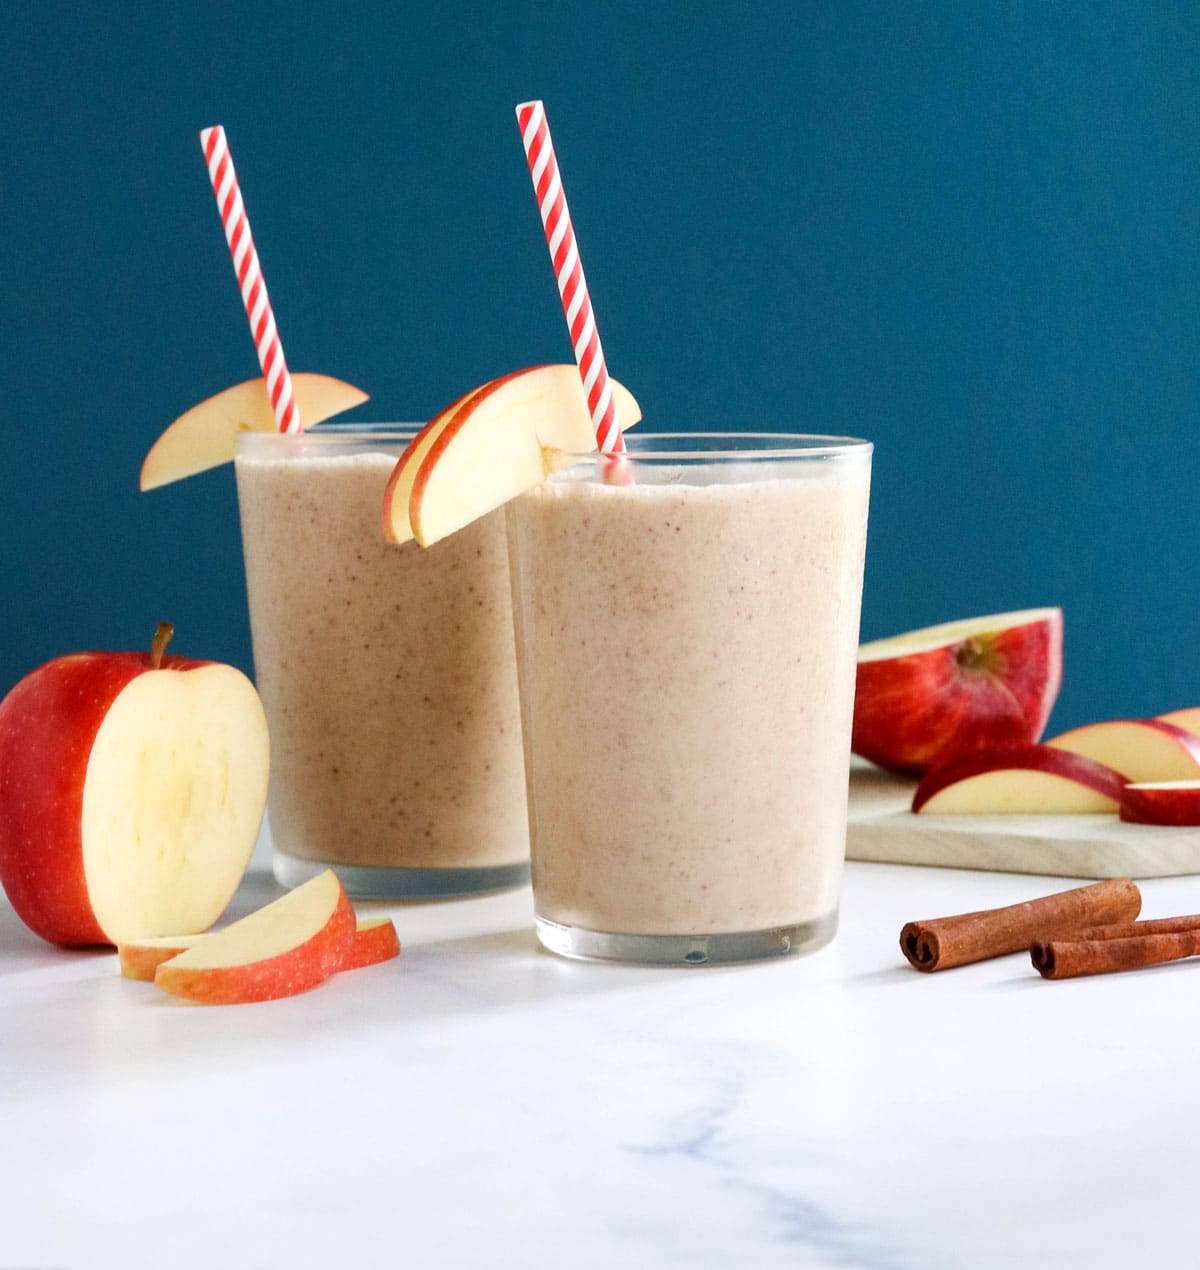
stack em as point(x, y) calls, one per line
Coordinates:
point(481, 1103)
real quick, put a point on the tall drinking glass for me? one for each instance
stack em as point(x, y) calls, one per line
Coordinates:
point(686, 647)
point(387, 673)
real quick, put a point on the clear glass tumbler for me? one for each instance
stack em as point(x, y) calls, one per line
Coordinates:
point(686, 646)
point(387, 672)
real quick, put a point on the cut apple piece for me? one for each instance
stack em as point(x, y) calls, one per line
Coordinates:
point(1140, 749)
point(1029, 780)
point(927, 697)
point(396, 524)
point(205, 437)
point(132, 787)
point(494, 446)
point(1187, 719)
point(1162, 803)
point(375, 940)
point(286, 947)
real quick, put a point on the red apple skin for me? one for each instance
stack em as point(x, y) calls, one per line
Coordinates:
point(1177, 807)
point(1036, 758)
point(370, 946)
point(286, 975)
point(918, 712)
point(48, 723)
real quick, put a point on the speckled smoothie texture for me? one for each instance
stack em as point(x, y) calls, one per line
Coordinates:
point(387, 672)
point(687, 655)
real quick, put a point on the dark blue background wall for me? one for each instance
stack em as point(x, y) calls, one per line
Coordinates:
point(970, 232)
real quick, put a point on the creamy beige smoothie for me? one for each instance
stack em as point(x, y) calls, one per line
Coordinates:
point(387, 673)
point(687, 655)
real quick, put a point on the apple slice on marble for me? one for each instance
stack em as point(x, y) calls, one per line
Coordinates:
point(929, 696)
point(501, 440)
point(1162, 803)
point(205, 436)
point(375, 940)
point(287, 947)
point(1140, 749)
point(1026, 780)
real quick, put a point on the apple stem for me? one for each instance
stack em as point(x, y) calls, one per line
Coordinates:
point(162, 637)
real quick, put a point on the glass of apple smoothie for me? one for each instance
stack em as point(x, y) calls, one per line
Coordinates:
point(686, 648)
point(387, 673)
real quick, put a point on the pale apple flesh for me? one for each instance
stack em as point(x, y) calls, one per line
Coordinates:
point(130, 797)
point(1187, 719)
point(927, 697)
point(375, 940)
point(287, 947)
point(1030, 780)
point(1162, 803)
point(1140, 749)
point(497, 445)
point(205, 436)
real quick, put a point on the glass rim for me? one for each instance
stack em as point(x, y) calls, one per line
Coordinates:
point(736, 447)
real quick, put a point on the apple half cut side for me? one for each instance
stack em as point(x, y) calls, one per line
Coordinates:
point(375, 940)
point(1030, 780)
point(499, 443)
point(132, 788)
point(1162, 803)
point(205, 436)
point(1140, 749)
point(287, 947)
point(927, 697)
point(396, 525)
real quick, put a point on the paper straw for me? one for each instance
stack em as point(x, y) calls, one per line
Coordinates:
point(568, 270)
point(250, 278)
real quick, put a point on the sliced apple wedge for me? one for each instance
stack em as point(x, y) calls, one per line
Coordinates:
point(396, 524)
point(1140, 749)
point(1029, 780)
point(375, 940)
point(1187, 719)
point(1162, 803)
point(494, 446)
point(204, 436)
point(286, 947)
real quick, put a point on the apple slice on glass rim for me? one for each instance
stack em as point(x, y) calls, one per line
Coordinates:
point(494, 443)
point(205, 436)
point(929, 696)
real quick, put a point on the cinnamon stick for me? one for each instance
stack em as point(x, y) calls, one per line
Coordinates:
point(946, 942)
point(1069, 958)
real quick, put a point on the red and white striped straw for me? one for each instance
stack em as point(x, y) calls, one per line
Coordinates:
point(568, 270)
point(250, 278)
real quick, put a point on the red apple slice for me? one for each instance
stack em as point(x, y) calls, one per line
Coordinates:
point(132, 787)
point(925, 698)
point(1031, 780)
point(494, 446)
point(1187, 719)
point(1140, 749)
point(375, 940)
point(396, 524)
point(284, 948)
point(204, 437)
point(1162, 803)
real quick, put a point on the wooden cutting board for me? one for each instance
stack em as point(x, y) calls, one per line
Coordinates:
point(882, 828)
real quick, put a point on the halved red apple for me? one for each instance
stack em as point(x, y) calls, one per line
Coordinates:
point(498, 442)
point(1030, 780)
point(204, 437)
point(927, 697)
point(1162, 803)
point(286, 947)
point(1140, 749)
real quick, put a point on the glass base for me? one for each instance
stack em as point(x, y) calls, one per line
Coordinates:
point(723, 948)
point(364, 882)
